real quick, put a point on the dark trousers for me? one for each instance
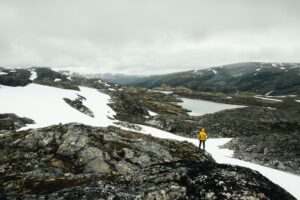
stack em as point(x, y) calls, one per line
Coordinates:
point(202, 141)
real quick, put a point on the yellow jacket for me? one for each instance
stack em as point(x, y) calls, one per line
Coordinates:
point(202, 135)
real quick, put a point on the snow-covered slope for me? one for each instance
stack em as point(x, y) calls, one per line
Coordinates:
point(45, 105)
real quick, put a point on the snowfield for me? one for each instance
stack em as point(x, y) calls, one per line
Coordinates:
point(45, 105)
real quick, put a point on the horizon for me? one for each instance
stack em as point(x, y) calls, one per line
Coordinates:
point(141, 75)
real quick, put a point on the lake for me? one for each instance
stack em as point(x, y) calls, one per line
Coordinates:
point(201, 107)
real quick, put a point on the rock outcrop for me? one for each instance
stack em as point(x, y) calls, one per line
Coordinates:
point(49, 159)
point(177, 180)
point(75, 161)
point(10, 121)
point(278, 150)
point(78, 105)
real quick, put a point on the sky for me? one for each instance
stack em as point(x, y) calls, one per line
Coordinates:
point(147, 36)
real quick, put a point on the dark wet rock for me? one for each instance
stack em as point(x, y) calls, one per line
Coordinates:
point(98, 165)
point(127, 106)
point(56, 157)
point(277, 150)
point(129, 125)
point(132, 104)
point(11, 121)
point(89, 154)
point(178, 180)
point(249, 121)
point(16, 77)
point(78, 105)
point(47, 76)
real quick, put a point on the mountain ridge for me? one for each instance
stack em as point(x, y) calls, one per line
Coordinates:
point(257, 77)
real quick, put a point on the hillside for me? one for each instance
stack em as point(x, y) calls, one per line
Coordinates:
point(63, 134)
point(256, 77)
point(115, 78)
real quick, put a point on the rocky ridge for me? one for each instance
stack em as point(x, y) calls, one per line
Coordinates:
point(51, 158)
point(78, 161)
point(179, 180)
point(257, 77)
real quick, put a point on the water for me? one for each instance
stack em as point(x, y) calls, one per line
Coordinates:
point(200, 107)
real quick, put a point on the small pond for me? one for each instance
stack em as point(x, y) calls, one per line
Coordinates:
point(201, 107)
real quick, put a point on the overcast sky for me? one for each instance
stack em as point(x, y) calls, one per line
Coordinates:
point(147, 36)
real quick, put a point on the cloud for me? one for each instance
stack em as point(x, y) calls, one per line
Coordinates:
point(147, 37)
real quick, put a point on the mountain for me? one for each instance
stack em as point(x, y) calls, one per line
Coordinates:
point(122, 79)
point(257, 77)
point(66, 135)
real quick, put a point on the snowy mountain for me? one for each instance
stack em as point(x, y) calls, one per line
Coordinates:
point(257, 77)
point(77, 137)
point(115, 78)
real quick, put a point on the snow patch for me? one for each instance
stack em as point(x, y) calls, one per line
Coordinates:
point(281, 96)
point(57, 79)
point(152, 113)
point(111, 89)
point(214, 71)
point(269, 93)
point(162, 91)
point(33, 75)
point(268, 99)
point(298, 101)
point(3, 73)
point(45, 105)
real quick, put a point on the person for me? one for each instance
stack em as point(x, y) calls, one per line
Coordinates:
point(202, 138)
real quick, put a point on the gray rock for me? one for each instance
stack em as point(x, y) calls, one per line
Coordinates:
point(89, 153)
point(128, 154)
point(97, 166)
point(72, 143)
point(124, 167)
point(142, 160)
point(46, 138)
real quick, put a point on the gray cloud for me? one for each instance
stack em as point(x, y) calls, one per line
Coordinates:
point(147, 37)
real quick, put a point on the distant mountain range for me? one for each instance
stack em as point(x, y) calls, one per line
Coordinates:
point(116, 78)
point(257, 77)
